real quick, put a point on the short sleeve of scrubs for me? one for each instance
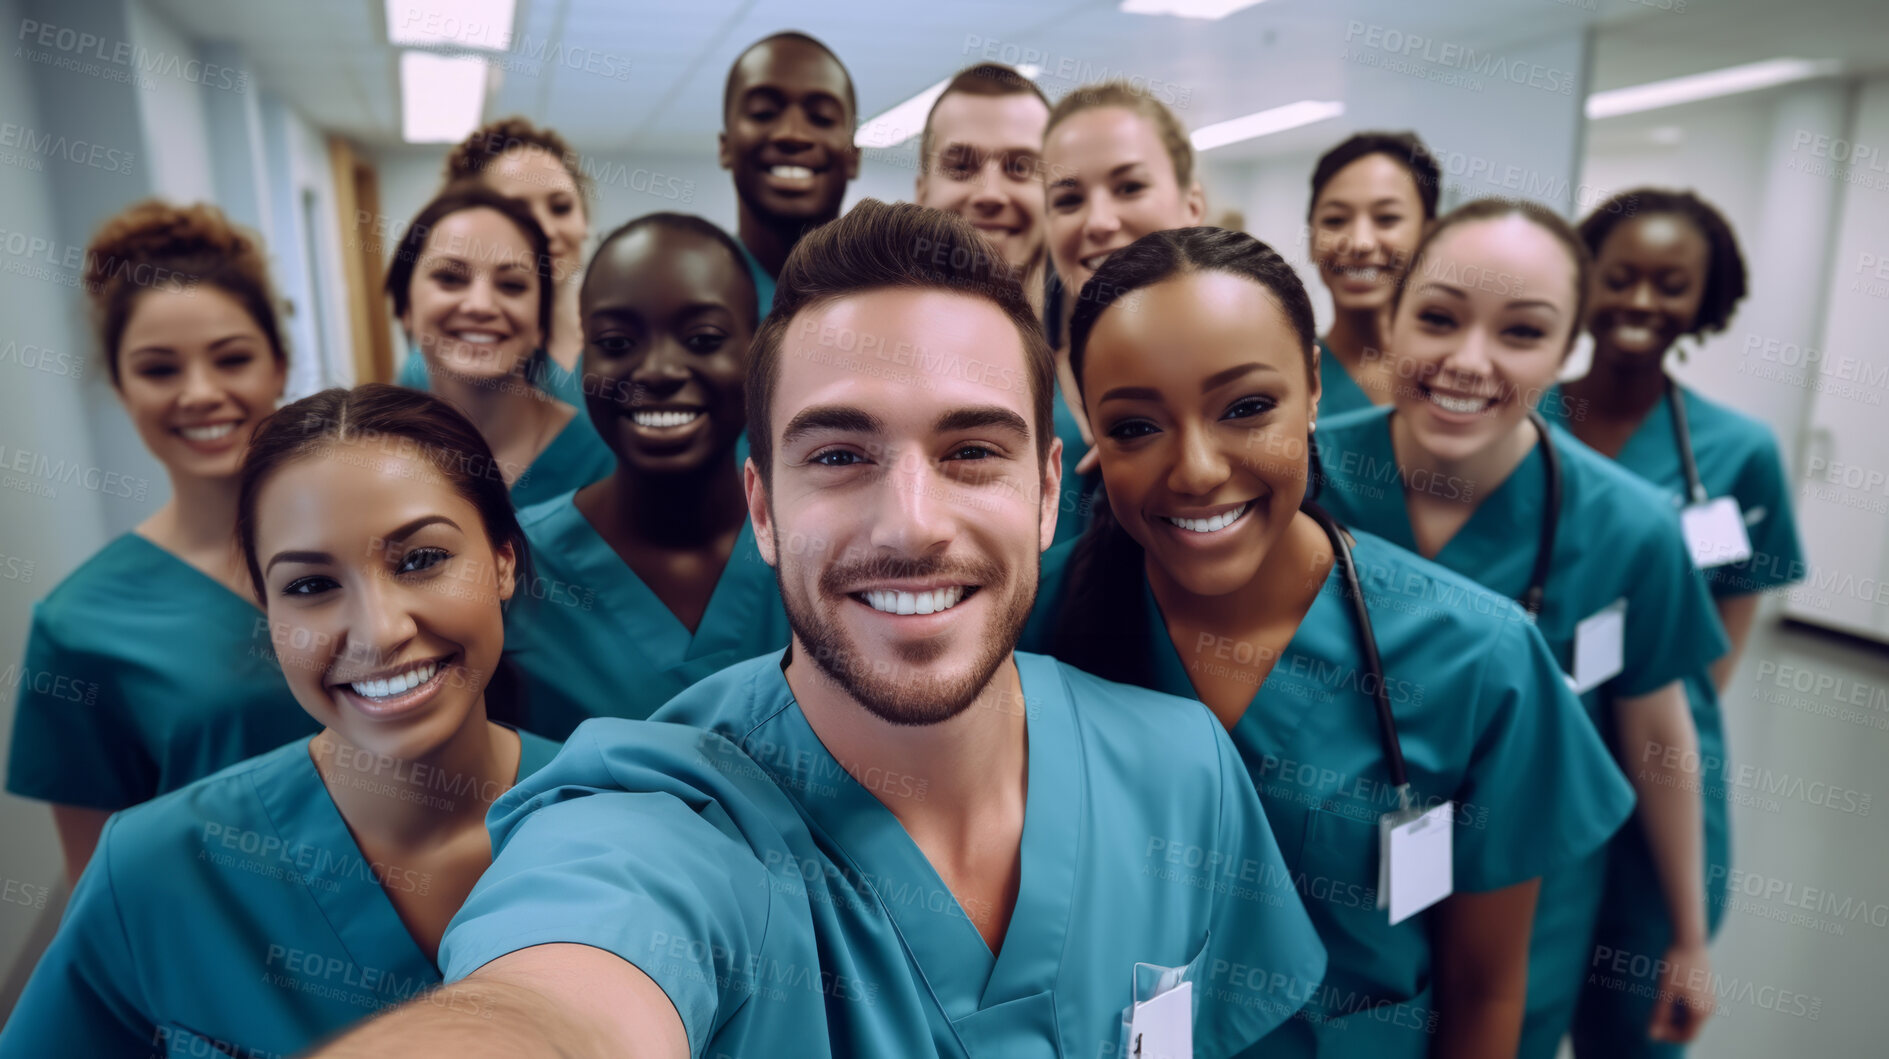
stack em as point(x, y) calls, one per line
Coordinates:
point(1672, 627)
point(1264, 959)
point(1777, 553)
point(638, 874)
point(76, 1002)
point(1542, 791)
point(73, 741)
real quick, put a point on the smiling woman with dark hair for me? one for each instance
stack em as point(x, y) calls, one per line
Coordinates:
point(1373, 197)
point(1207, 573)
point(471, 285)
point(317, 879)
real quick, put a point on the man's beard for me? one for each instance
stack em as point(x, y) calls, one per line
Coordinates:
point(889, 688)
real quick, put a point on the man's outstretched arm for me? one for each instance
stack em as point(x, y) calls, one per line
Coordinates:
point(559, 1001)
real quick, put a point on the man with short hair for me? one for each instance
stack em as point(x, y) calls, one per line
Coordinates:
point(898, 837)
point(788, 113)
point(980, 157)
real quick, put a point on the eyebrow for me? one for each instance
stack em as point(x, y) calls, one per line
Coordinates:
point(1382, 200)
point(811, 95)
point(440, 257)
point(401, 533)
point(844, 419)
point(689, 311)
point(171, 351)
point(1070, 181)
point(979, 417)
point(1207, 385)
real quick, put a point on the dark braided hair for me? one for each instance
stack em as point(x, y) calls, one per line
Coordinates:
point(1724, 265)
point(1099, 623)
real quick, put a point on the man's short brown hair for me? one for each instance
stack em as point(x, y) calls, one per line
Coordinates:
point(897, 246)
point(984, 79)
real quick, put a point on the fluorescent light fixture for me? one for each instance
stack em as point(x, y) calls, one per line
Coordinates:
point(1207, 9)
point(907, 120)
point(441, 96)
point(451, 23)
point(1265, 123)
point(1729, 81)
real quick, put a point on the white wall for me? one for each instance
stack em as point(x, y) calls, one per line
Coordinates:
point(171, 107)
point(1844, 505)
point(45, 360)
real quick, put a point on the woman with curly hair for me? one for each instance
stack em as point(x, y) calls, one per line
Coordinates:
point(1666, 266)
point(149, 667)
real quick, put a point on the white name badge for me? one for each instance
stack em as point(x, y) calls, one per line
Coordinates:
point(1163, 1028)
point(1599, 647)
point(1715, 532)
point(1416, 869)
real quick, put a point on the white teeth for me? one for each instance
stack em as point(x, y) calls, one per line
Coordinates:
point(1214, 524)
point(210, 433)
point(664, 420)
point(477, 338)
point(1633, 334)
point(791, 172)
point(398, 684)
point(1459, 404)
point(1368, 275)
point(1094, 262)
point(892, 602)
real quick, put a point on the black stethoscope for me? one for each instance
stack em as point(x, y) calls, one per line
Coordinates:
point(1682, 435)
point(1361, 613)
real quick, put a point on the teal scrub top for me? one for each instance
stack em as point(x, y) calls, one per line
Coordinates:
point(1617, 538)
point(1484, 720)
point(763, 283)
point(593, 640)
point(574, 459)
point(1736, 456)
point(142, 674)
point(1078, 491)
point(1144, 848)
point(1338, 392)
point(235, 916)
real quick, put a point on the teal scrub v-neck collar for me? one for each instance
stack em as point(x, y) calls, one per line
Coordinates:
point(1322, 634)
point(950, 955)
point(187, 572)
point(1507, 514)
point(1338, 392)
point(646, 622)
point(341, 880)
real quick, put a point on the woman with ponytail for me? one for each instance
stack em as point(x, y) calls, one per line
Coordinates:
point(1461, 468)
point(149, 666)
point(1207, 572)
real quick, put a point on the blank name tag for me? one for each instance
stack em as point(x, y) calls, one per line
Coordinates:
point(1416, 849)
point(1163, 1028)
point(1599, 647)
point(1715, 532)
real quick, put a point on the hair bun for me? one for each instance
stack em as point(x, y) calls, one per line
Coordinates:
point(182, 239)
